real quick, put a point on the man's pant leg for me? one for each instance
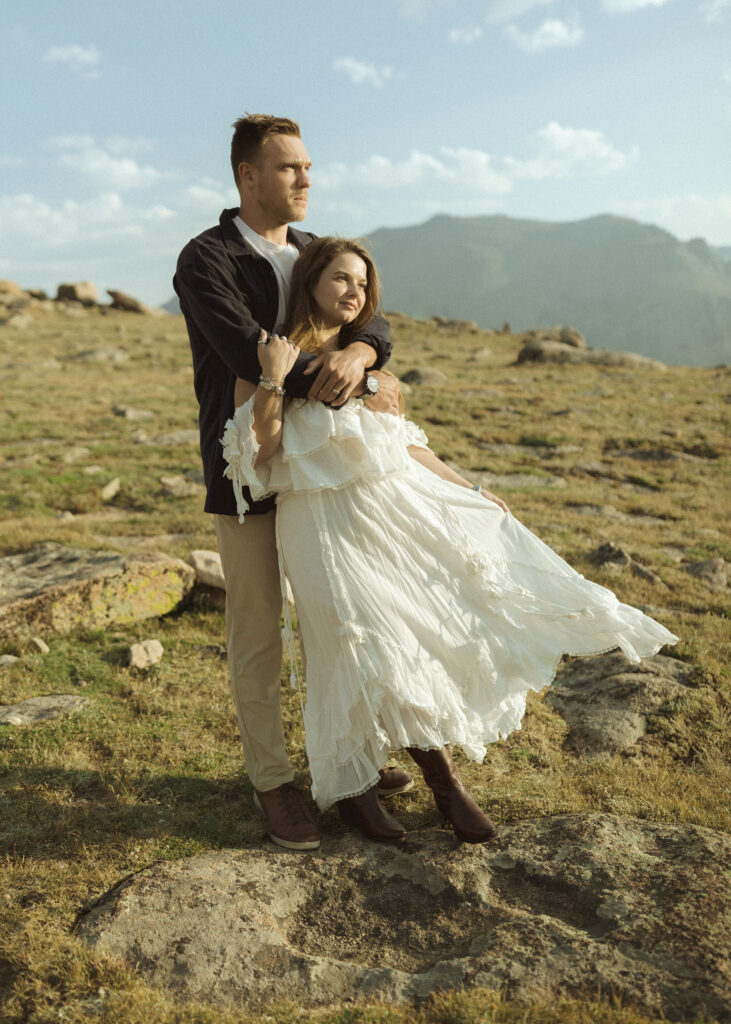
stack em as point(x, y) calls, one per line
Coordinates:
point(253, 608)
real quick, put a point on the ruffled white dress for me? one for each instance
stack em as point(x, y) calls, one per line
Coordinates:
point(427, 613)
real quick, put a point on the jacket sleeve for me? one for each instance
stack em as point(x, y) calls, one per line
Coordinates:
point(377, 335)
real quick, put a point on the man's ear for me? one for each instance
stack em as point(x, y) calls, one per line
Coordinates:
point(247, 174)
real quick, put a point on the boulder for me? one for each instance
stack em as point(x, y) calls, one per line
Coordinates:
point(41, 709)
point(128, 303)
point(208, 569)
point(21, 321)
point(425, 376)
point(548, 351)
point(713, 572)
point(82, 291)
point(110, 491)
point(145, 654)
point(609, 553)
point(56, 589)
point(572, 904)
point(607, 701)
point(10, 292)
point(563, 335)
point(179, 486)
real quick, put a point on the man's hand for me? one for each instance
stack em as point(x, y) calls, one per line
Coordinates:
point(340, 373)
point(386, 398)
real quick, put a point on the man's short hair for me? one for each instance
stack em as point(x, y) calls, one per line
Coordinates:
point(251, 132)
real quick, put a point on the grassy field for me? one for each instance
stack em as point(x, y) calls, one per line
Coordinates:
point(152, 769)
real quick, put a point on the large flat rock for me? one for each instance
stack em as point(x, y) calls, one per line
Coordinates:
point(576, 903)
point(607, 701)
point(56, 589)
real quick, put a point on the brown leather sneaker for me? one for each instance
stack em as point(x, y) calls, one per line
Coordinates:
point(393, 781)
point(456, 803)
point(287, 817)
point(366, 813)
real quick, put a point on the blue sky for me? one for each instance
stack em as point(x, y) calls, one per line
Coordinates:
point(116, 119)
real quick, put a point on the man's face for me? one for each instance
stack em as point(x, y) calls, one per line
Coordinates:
point(278, 182)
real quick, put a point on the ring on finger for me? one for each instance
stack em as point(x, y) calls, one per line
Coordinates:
point(336, 391)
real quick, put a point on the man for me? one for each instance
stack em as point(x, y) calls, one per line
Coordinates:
point(233, 281)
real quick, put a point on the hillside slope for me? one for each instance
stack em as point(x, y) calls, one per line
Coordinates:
point(625, 285)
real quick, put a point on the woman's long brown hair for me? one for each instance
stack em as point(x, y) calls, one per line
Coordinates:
point(304, 321)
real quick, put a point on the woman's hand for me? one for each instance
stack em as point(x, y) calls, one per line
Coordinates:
point(276, 356)
point(493, 497)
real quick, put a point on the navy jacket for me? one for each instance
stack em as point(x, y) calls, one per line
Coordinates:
point(227, 293)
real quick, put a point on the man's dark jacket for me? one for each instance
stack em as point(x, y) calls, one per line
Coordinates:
point(227, 293)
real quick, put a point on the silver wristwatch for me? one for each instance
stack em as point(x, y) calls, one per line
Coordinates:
point(371, 385)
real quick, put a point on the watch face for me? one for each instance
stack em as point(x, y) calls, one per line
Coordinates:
point(372, 384)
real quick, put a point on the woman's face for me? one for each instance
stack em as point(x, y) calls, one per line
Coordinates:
point(340, 291)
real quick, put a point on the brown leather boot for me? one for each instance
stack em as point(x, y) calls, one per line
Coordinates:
point(452, 798)
point(366, 813)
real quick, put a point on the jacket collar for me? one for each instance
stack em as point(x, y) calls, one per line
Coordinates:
point(237, 244)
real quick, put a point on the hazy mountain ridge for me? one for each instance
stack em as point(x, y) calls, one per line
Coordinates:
point(625, 285)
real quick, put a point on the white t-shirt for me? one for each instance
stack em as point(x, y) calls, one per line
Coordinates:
point(281, 257)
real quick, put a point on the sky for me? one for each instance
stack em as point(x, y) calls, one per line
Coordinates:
point(116, 119)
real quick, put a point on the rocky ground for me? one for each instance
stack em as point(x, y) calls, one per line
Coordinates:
point(138, 884)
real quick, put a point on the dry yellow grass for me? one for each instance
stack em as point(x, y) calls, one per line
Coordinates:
point(153, 768)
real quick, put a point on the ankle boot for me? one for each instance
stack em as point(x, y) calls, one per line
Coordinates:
point(365, 812)
point(452, 798)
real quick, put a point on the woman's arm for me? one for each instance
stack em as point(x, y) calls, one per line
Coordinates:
point(276, 358)
point(428, 459)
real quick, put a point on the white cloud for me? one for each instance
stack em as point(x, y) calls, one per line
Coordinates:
point(362, 74)
point(465, 36)
point(82, 60)
point(500, 11)
point(118, 173)
point(714, 11)
point(564, 152)
point(462, 168)
point(551, 33)
point(628, 6)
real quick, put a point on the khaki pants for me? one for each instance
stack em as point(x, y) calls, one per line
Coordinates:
point(253, 608)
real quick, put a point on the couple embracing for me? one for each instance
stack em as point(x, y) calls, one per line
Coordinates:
point(427, 610)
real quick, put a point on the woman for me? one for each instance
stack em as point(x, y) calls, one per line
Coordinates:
point(428, 628)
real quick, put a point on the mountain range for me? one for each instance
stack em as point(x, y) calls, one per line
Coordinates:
point(624, 285)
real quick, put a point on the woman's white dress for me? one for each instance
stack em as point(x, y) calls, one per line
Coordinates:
point(427, 613)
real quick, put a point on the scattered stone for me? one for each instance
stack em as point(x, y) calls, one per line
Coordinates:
point(39, 644)
point(10, 291)
point(145, 654)
point(593, 468)
point(19, 320)
point(608, 552)
point(562, 335)
point(55, 589)
point(208, 570)
point(41, 709)
point(172, 439)
point(209, 597)
point(568, 904)
point(483, 355)
point(101, 355)
point(36, 293)
point(646, 574)
point(538, 351)
point(128, 303)
point(110, 491)
point(606, 701)
point(92, 470)
point(135, 415)
point(78, 453)
point(65, 516)
point(179, 487)
point(7, 659)
point(83, 291)
point(425, 376)
point(713, 572)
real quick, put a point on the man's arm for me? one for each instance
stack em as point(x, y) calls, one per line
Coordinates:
point(210, 298)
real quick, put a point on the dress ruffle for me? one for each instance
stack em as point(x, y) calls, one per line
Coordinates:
point(321, 449)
